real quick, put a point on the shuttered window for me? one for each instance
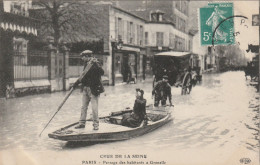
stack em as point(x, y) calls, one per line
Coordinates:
point(116, 28)
point(128, 32)
point(159, 38)
point(120, 29)
point(138, 34)
point(146, 38)
point(171, 40)
point(141, 35)
point(133, 32)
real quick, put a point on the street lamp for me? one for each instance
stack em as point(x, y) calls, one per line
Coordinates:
point(120, 44)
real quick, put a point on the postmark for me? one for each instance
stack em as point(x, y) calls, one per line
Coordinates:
point(229, 20)
point(210, 28)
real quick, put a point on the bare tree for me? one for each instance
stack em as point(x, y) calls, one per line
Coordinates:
point(69, 21)
point(232, 53)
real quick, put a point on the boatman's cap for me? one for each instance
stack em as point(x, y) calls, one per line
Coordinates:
point(165, 77)
point(86, 53)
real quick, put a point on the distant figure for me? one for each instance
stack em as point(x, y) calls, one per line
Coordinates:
point(198, 75)
point(139, 112)
point(92, 87)
point(162, 91)
point(129, 73)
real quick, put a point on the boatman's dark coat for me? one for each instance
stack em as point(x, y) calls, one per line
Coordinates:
point(92, 79)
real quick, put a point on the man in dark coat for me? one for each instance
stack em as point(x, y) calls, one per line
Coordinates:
point(91, 87)
point(162, 90)
point(139, 111)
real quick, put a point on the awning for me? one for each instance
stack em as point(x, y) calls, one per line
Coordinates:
point(173, 53)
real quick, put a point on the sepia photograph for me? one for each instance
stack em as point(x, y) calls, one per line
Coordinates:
point(129, 82)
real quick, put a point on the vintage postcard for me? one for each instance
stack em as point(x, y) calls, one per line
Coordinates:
point(129, 82)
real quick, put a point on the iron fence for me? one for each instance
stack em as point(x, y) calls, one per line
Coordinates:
point(31, 65)
point(75, 65)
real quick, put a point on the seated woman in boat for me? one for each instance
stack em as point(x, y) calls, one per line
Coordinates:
point(139, 112)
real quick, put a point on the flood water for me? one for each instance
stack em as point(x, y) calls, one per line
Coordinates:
point(217, 123)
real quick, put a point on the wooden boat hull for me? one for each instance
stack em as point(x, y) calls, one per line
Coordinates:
point(107, 132)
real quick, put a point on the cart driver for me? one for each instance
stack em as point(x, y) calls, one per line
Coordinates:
point(162, 91)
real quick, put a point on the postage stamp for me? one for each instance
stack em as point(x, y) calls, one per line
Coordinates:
point(213, 25)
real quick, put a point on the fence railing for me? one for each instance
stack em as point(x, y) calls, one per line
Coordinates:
point(75, 65)
point(31, 65)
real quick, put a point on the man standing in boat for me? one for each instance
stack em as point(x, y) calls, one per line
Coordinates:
point(162, 90)
point(91, 88)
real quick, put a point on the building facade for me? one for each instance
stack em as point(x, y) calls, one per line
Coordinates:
point(17, 31)
point(129, 41)
point(127, 31)
point(165, 29)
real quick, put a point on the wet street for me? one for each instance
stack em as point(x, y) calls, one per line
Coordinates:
point(216, 124)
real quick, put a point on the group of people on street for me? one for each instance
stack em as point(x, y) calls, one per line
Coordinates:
point(92, 87)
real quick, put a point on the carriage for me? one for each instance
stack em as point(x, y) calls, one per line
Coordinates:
point(182, 69)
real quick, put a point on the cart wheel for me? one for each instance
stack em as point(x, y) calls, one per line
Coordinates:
point(183, 90)
point(186, 85)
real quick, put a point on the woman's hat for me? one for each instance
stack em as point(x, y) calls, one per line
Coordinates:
point(139, 90)
point(86, 53)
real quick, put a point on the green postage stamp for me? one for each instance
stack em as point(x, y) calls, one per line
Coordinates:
point(217, 24)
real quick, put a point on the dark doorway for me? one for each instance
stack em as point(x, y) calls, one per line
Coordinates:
point(125, 67)
point(144, 65)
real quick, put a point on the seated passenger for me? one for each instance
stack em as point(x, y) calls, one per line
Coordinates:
point(139, 111)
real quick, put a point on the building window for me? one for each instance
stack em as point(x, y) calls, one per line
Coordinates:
point(185, 7)
point(141, 35)
point(160, 17)
point(190, 45)
point(130, 32)
point(176, 43)
point(171, 40)
point(154, 17)
point(183, 45)
point(179, 43)
point(181, 24)
point(120, 29)
point(157, 17)
point(138, 34)
point(182, 6)
point(146, 38)
point(159, 38)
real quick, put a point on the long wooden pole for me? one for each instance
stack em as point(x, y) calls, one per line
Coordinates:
point(64, 100)
point(90, 64)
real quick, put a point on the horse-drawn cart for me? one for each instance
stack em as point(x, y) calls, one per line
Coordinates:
point(181, 68)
